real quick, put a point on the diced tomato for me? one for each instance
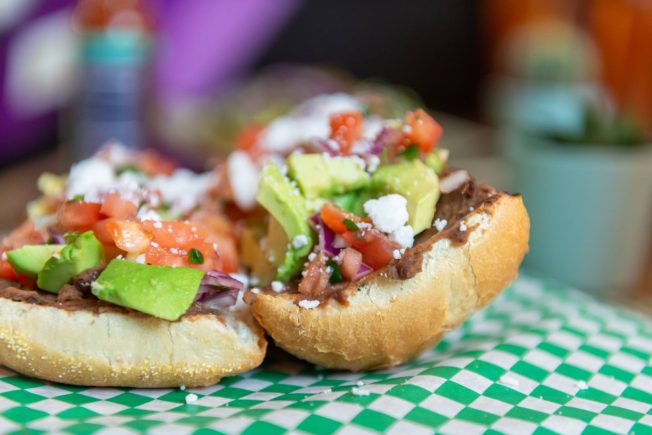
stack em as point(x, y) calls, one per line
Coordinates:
point(333, 217)
point(227, 252)
point(175, 234)
point(116, 207)
point(7, 271)
point(111, 251)
point(153, 163)
point(220, 232)
point(375, 247)
point(157, 255)
point(25, 234)
point(101, 231)
point(422, 130)
point(129, 235)
point(247, 137)
point(346, 128)
point(78, 215)
point(164, 257)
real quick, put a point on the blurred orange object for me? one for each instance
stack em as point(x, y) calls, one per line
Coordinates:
point(620, 29)
point(99, 15)
point(623, 33)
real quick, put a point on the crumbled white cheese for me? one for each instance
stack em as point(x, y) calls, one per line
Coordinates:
point(90, 178)
point(407, 129)
point(308, 304)
point(312, 256)
point(581, 385)
point(308, 121)
point(404, 236)
point(372, 163)
point(388, 213)
point(299, 241)
point(359, 383)
point(145, 214)
point(182, 388)
point(360, 391)
point(508, 381)
point(255, 290)
point(277, 286)
point(372, 126)
point(116, 153)
point(183, 189)
point(243, 179)
point(463, 227)
point(158, 225)
point(4, 256)
point(191, 398)
point(396, 254)
point(440, 224)
point(140, 259)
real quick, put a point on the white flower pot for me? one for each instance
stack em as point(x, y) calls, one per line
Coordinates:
point(590, 208)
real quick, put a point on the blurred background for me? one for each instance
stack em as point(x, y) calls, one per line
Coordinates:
point(551, 98)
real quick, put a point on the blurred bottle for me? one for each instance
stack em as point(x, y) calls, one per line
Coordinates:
point(116, 38)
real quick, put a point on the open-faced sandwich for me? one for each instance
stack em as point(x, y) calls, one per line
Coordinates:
point(120, 277)
point(371, 247)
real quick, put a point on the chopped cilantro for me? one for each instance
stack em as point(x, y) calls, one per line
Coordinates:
point(350, 225)
point(127, 168)
point(70, 236)
point(195, 256)
point(411, 152)
point(79, 197)
point(336, 274)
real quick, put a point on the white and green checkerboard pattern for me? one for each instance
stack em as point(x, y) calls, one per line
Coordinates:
point(541, 359)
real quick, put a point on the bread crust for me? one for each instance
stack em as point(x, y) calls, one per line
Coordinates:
point(387, 322)
point(117, 349)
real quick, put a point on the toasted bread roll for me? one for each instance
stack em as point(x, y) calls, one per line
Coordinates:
point(122, 349)
point(388, 321)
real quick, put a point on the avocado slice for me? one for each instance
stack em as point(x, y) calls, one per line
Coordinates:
point(286, 204)
point(81, 253)
point(162, 291)
point(29, 260)
point(319, 176)
point(437, 159)
point(417, 183)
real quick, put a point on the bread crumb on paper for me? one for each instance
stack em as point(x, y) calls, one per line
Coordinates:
point(508, 381)
point(360, 392)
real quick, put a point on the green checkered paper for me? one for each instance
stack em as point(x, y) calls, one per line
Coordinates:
point(541, 359)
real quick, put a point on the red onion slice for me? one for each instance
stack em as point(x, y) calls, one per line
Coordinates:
point(56, 238)
point(387, 136)
point(364, 270)
point(454, 181)
point(218, 290)
point(326, 236)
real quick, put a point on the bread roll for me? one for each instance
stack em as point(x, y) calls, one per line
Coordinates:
point(389, 321)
